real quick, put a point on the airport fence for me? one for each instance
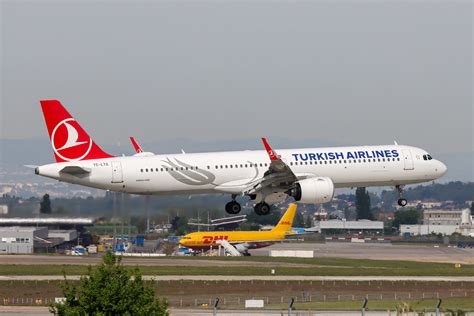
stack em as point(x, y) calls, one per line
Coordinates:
point(233, 301)
point(236, 301)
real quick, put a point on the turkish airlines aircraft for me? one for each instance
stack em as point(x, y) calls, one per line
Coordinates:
point(309, 175)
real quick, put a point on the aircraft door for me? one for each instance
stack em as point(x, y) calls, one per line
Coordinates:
point(117, 175)
point(408, 159)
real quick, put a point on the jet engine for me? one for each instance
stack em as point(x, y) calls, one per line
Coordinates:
point(313, 190)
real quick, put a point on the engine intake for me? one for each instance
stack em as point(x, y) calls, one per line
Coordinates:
point(313, 190)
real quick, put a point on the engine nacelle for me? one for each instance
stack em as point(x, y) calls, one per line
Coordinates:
point(313, 190)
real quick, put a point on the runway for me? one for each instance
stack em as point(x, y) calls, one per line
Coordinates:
point(379, 251)
point(133, 261)
point(374, 251)
point(256, 278)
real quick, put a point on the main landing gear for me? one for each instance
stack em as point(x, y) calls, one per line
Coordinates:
point(262, 208)
point(233, 207)
point(401, 201)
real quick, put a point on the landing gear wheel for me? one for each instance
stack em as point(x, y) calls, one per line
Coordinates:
point(233, 207)
point(262, 208)
point(402, 202)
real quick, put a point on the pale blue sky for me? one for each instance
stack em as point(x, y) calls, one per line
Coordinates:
point(348, 72)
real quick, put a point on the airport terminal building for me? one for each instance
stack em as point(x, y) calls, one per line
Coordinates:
point(444, 222)
point(29, 235)
point(342, 226)
point(20, 240)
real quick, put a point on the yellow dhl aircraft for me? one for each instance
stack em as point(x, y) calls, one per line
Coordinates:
point(243, 240)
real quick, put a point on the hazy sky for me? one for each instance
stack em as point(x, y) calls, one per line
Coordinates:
point(349, 72)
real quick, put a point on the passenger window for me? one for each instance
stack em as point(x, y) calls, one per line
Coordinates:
point(151, 170)
point(146, 170)
point(161, 169)
point(141, 170)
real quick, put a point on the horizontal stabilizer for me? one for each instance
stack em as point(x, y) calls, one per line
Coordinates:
point(75, 170)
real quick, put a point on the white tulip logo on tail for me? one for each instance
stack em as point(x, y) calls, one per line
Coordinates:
point(67, 143)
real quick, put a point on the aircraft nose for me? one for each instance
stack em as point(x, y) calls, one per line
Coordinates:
point(441, 168)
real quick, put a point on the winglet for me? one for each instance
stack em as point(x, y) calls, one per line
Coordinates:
point(137, 147)
point(270, 151)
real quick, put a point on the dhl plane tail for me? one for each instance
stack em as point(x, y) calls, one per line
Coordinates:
point(286, 221)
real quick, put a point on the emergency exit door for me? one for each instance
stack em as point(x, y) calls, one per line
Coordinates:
point(117, 175)
point(407, 159)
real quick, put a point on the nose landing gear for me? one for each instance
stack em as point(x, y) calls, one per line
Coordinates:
point(401, 201)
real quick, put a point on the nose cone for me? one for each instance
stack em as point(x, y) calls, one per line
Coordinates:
point(441, 168)
point(182, 242)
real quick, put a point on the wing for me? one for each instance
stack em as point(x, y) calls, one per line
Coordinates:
point(278, 176)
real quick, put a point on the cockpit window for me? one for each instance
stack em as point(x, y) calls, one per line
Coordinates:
point(427, 157)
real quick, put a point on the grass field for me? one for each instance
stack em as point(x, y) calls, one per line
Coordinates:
point(322, 267)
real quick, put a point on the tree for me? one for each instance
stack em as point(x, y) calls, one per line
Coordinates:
point(45, 204)
point(408, 217)
point(109, 289)
point(298, 220)
point(363, 204)
point(179, 225)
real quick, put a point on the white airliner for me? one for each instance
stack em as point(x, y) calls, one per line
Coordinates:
point(309, 175)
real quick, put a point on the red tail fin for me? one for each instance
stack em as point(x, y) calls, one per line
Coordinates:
point(69, 140)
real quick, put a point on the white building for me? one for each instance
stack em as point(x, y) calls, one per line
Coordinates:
point(336, 225)
point(441, 222)
point(20, 240)
point(443, 217)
